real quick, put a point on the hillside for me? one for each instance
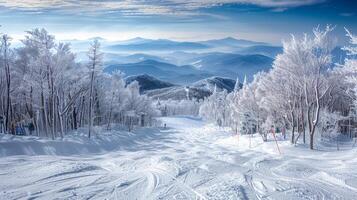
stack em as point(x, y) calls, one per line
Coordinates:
point(197, 90)
point(147, 82)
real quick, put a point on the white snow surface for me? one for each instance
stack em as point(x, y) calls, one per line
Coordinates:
point(190, 159)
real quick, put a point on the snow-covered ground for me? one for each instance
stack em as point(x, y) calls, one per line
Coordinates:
point(188, 160)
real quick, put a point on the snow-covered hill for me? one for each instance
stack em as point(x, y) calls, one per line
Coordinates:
point(147, 82)
point(178, 93)
point(196, 90)
point(219, 83)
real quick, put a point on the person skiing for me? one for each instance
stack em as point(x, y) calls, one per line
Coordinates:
point(31, 127)
point(13, 127)
point(1, 124)
point(18, 130)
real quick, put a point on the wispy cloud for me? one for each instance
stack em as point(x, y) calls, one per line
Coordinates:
point(144, 7)
point(347, 14)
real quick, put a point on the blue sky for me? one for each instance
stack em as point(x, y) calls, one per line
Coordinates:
point(260, 20)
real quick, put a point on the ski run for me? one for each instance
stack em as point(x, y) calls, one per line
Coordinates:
point(189, 159)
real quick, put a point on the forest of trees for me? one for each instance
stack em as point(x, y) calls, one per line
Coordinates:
point(42, 86)
point(304, 92)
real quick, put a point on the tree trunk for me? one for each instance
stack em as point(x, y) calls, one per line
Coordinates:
point(293, 128)
point(311, 141)
point(60, 118)
point(90, 117)
point(317, 115)
point(74, 115)
point(302, 120)
point(44, 115)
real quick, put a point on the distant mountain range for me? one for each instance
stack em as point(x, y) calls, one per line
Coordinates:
point(164, 71)
point(159, 45)
point(198, 67)
point(155, 45)
point(231, 42)
point(115, 58)
point(188, 62)
point(232, 65)
point(265, 50)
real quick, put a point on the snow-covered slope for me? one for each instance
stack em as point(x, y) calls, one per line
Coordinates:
point(75, 143)
point(188, 160)
point(179, 93)
point(220, 83)
point(196, 90)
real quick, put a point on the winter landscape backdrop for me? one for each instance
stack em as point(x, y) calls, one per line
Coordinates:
point(176, 99)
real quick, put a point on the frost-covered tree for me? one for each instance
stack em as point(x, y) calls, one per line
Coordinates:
point(115, 95)
point(39, 48)
point(247, 108)
point(215, 108)
point(178, 107)
point(298, 82)
point(349, 69)
point(328, 125)
point(95, 57)
point(233, 106)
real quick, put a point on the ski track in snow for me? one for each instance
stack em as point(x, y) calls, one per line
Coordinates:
point(188, 160)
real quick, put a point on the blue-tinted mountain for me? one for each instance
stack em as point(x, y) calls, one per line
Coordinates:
point(265, 50)
point(137, 40)
point(338, 55)
point(113, 58)
point(155, 45)
point(232, 42)
point(164, 71)
point(147, 82)
point(232, 65)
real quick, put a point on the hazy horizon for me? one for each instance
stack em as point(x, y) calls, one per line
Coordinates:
point(267, 21)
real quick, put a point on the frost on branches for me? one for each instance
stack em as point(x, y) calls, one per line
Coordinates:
point(42, 86)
